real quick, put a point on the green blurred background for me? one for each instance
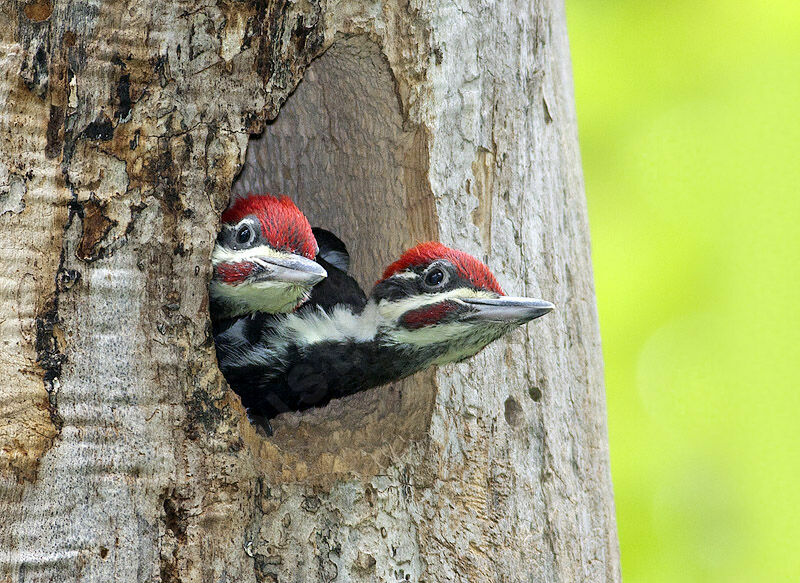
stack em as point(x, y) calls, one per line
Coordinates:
point(689, 116)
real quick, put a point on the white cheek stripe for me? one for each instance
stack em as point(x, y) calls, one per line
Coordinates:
point(392, 311)
point(404, 275)
point(224, 255)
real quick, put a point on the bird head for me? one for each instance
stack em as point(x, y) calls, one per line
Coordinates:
point(263, 259)
point(446, 303)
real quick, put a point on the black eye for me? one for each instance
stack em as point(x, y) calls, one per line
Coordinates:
point(244, 235)
point(434, 277)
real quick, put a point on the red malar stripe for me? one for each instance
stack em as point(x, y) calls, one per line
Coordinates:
point(234, 273)
point(429, 315)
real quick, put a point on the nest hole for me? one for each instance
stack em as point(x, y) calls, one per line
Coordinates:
point(340, 148)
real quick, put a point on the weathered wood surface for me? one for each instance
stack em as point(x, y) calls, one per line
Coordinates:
point(124, 457)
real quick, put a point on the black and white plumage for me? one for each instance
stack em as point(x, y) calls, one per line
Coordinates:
point(433, 306)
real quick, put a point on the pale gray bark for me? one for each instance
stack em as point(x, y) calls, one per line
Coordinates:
point(123, 455)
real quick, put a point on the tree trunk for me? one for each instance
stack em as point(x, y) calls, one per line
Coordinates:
point(125, 457)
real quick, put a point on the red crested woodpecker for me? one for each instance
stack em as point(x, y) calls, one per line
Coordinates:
point(435, 305)
point(263, 259)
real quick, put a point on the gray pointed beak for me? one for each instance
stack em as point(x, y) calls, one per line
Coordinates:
point(505, 309)
point(293, 269)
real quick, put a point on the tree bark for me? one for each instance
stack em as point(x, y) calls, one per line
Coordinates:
point(124, 127)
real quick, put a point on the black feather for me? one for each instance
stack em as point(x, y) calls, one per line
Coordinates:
point(313, 376)
point(332, 249)
point(339, 288)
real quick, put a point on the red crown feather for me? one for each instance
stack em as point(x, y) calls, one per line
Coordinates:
point(284, 226)
point(468, 267)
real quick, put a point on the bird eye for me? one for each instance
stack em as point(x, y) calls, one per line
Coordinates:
point(244, 235)
point(434, 277)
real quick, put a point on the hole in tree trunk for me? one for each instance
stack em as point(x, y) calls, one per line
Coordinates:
point(341, 150)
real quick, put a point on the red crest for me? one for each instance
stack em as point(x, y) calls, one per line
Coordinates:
point(282, 223)
point(468, 267)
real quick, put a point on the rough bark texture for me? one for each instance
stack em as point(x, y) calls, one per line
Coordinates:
point(123, 455)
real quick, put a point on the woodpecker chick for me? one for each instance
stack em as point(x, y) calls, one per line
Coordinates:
point(435, 305)
point(443, 305)
point(263, 259)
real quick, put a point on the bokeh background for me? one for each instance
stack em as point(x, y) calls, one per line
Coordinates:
point(689, 118)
